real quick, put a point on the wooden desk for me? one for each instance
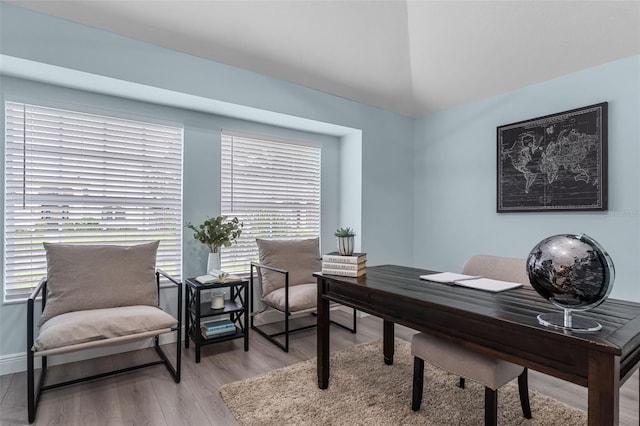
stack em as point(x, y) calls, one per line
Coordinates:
point(503, 325)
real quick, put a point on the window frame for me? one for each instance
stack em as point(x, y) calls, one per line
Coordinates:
point(176, 148)
point(231, 259)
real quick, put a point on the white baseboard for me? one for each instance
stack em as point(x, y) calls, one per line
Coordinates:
point(17, 363)
point(13, 363)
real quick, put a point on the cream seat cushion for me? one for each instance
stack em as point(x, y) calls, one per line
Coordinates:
point(98, 327)
point(82, 277)
point(487, 370)
point(301, 297)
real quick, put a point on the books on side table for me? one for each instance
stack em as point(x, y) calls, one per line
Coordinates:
point(215, 276)
point(347, 266)
point(217, 328)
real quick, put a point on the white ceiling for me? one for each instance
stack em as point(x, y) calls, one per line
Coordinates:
point(413, 57)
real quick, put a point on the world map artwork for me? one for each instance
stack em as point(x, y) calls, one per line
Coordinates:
point(557, 162)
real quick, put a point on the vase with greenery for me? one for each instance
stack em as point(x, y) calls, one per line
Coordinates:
point(215, 233)
point(345, 240)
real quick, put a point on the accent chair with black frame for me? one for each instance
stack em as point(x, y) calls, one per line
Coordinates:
point(95, 296)
point(286, 283)
point(450, 355)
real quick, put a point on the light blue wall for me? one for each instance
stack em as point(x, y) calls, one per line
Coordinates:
point(455, 176)
point(386, 145)
point(378, 189)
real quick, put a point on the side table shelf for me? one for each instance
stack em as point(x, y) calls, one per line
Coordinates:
point(236, 309)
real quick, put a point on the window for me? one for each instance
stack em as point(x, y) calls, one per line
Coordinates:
point(273, 187)
point(74, 177)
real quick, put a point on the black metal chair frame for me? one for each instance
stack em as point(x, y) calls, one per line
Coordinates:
point(34, 391)
point(490, 395)
point(287, 330)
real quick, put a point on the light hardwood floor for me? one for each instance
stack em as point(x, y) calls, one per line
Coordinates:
point(151, 397)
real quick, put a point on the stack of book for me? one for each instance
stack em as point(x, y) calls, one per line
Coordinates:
point(217, 328)
point(347, 266)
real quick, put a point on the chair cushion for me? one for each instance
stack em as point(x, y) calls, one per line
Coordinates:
point(445, 354)
point(301, 258)
point(301, 297)
point(82, 277)
point(498, 268)
point(74, 328)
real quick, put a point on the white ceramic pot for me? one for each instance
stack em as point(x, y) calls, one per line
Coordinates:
point(345, 246)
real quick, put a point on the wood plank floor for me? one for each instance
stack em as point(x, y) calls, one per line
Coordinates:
point(151, 397)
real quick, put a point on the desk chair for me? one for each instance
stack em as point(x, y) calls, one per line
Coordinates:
point(285, 279)
point(450, 355)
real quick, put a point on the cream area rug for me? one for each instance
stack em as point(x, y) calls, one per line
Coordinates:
point(364, 391)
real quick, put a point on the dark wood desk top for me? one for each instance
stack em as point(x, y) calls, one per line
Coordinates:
point(484, 318)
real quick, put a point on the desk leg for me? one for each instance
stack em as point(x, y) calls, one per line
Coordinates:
point(323, 336)
point(604, 389)
point(245, 321)
point(387, 341)
point(186, 317)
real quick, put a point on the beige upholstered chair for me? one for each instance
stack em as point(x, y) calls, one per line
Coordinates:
point(95, 296)
point(460, 360)
point(286, 282)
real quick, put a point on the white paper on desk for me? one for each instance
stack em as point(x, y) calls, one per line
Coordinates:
point(447, 277)
point(488, 284)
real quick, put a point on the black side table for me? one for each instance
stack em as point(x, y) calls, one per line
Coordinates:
point(236, 308)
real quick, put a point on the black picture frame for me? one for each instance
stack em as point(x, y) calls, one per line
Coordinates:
point(554, 163)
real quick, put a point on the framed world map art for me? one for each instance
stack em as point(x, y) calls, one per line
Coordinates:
point(554, 163)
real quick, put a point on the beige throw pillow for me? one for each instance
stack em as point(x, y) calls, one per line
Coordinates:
point(81, 277)
point(300, 257)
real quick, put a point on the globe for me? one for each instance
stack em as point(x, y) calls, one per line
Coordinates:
point(574, 273)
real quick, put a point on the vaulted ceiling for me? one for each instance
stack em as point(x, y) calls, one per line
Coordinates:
point(413, 57)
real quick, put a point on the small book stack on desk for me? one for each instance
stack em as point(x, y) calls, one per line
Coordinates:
point(217, 328)
point(347, 266)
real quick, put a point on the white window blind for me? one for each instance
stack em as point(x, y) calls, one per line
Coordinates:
point(73, 177)
point(273, 187)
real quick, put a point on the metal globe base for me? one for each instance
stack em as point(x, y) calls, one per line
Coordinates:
point(566, 321)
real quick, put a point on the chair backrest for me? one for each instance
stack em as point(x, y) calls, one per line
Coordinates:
point(301, 258)
point(83, 277)
point(497, 268)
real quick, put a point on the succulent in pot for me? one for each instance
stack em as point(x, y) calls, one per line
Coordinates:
point(345, 240)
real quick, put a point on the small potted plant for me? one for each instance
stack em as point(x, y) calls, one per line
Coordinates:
point(345, 240)
point(215, 233)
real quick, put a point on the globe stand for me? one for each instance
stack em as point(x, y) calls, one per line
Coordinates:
point(566, 321)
